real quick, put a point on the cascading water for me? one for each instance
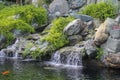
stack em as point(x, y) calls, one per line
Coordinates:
point(2, 54)
point(67, 58)
point(12, 50)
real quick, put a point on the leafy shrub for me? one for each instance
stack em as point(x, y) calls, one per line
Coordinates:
point(8, 25)
point(55, 35)
point(101, 10)
point(2, 5)
point(27, 13)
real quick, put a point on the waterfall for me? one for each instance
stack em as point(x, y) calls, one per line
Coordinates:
point(67, 58)
point(13, 50)
point(2, 54)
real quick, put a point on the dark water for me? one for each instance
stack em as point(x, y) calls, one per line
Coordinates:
point(36, 71)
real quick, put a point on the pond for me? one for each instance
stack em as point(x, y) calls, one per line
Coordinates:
point(37, 71)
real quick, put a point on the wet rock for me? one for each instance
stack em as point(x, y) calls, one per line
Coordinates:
point(69, 56)
point(74, 39)
point(76, 4)
point(90, 48)
point(59, 6)
point(74, 27)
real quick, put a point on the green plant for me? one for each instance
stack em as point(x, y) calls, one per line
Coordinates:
point(100, 10)
point(27, 13)
point(8, 25)
point(99, 53)
point(36, 52)
point(55, 35)
point(2, 5)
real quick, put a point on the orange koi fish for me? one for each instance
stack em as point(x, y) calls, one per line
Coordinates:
point(5, 72)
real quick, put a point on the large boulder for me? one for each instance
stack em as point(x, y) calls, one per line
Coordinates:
point(103, 31)
point(74, 27)
point(76, 4)
point(59, 6)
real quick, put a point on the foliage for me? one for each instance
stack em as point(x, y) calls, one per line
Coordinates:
point(20, 18)
point(8, 25)
point(55, 35)
point(27, 13)
point(2, 5)
point(100, 10)
point(35, 52)
point(99, 53)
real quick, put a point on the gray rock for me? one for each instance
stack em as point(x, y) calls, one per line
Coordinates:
point(33, 37)
point(109, 23)
point(2, 39)
point(74, 27)
point(59, 6)
point(90, 48)
point(113, 44)
point(76, 4)
point(115, 33)
point(118, 19)
point(84, 18)
point(19, 33)
point(74, 39)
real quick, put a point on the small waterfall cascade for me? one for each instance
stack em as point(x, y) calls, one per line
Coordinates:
point(2, 54)
point(12, 50)
point(68, 58)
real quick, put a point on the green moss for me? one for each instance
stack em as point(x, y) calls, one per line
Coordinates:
point(55, 36)
point(100, 10)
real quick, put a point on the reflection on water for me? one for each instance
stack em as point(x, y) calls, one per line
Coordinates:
point(37, 71)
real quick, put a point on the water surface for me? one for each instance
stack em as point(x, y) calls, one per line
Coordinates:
point(37, 71)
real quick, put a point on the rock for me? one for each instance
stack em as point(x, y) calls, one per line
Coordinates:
point(33, 37)
point(84, 18)
point(74, 27)
point(2, 41)
point(103, 31)
point(59, 6)
point(112, 60)
point(90, 48)
point(113, 44)
point(118, 19)
point(97, 23)
point(76, 4)
point(115, 33)
point(19, 33)
point(74, 39)
point(101, 35)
